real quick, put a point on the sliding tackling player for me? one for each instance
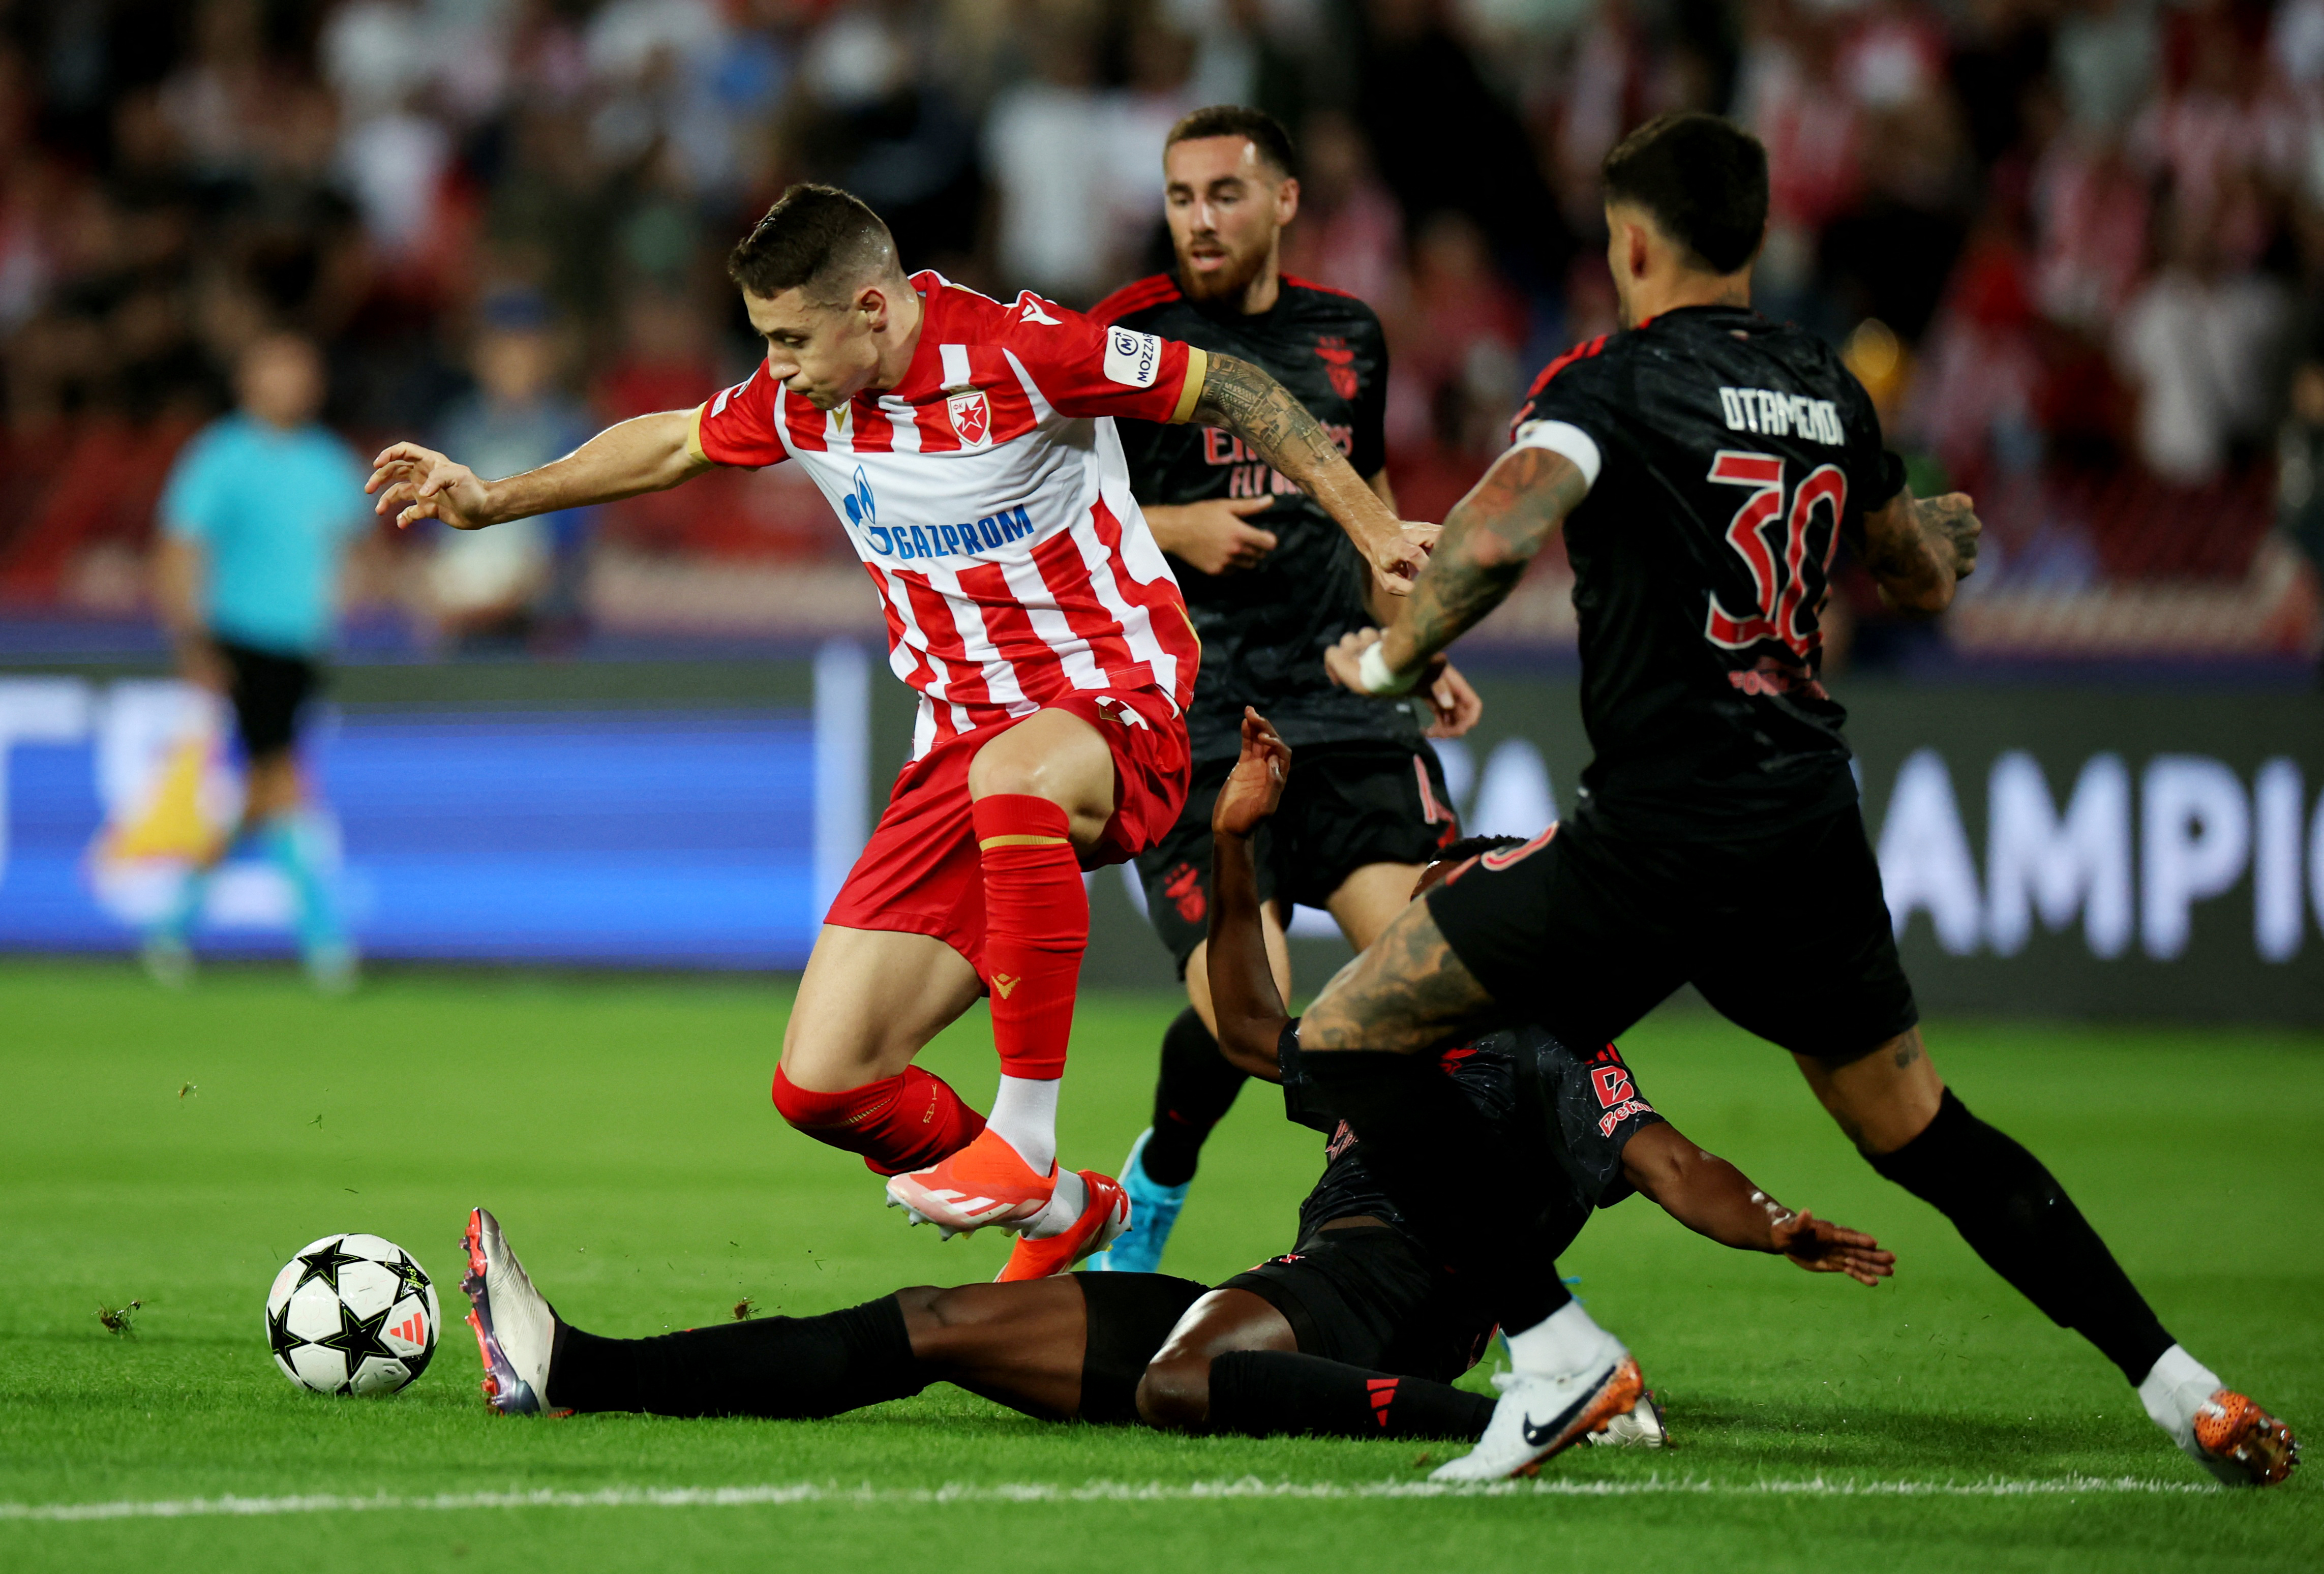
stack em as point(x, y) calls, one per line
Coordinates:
point(968, 446)
point(1357, 1332)
point(1272, 584)
point(1703, 464)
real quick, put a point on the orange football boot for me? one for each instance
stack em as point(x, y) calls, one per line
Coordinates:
point(2244, 1445)
point(1105, 1215)
point(986, 1182)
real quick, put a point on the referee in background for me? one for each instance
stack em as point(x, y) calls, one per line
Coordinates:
point(256, 521)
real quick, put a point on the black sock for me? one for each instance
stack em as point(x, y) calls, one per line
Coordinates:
point(1432, 1151)
point(783, 1367)
point(1261, 1392)
point(2016, 1217)
point(1198, 1087)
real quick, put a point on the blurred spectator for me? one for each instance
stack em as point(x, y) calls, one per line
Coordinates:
point(2077, 221)
point(519, 581)
point(2198, 341)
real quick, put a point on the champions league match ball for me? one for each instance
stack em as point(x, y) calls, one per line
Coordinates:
point(352, 1314)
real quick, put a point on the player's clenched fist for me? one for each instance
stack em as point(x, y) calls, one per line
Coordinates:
point(415, 483)
point(1398, 558)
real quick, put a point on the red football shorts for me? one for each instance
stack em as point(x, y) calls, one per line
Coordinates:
point(920, 873)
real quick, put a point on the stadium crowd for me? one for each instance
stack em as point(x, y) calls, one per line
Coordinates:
point(2074, 247)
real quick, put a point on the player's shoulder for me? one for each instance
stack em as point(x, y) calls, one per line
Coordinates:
point(957, 313)
point(1587, 364)
point(1138, 299)
point(1313, 299)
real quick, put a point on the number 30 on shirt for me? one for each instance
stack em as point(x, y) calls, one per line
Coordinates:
point(1778, 566)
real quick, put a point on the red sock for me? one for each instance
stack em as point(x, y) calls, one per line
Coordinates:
point(897, 1123)
point(1036, 928)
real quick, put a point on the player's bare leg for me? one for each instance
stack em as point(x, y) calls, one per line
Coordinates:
point(1043, 792)
point(1232, 1365)
point(1897, 1109)
point(1018, 1345)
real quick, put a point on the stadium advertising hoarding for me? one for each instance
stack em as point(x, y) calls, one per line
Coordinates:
point(573, 816)
point(2081, 851)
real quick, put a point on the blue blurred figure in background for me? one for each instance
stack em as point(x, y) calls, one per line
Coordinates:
point(523, 583)
point(260, 508)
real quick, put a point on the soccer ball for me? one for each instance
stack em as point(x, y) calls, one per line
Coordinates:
point(352, 1314)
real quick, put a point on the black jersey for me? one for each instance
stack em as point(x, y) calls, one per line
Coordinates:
point(1726, 454)
point(1264, 629)
point(1571, 1113)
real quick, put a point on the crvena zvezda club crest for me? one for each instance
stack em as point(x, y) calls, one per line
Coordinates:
point(971, 417)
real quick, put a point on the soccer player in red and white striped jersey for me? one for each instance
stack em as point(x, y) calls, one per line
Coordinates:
point(967, 445)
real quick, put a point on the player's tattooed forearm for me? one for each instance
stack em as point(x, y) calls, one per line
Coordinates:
point(1409, 994)
point(1953, 521)
point(1489, 537)
point(1245, 401)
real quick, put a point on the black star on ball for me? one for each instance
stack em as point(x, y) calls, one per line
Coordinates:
point(324, 1262)
point(358, 1338)
point(278, 1331)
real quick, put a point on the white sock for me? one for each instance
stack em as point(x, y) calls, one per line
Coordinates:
point(1024, 1116)
point(2175, 1390)
point(1566, 1340)
point(1065, 1205)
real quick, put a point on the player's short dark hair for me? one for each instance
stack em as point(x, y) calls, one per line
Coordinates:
point(816, 238)
point(1703, 178)
point(1469, 847)
point(1265, 131)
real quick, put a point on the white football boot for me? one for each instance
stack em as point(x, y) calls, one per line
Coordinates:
point(1640, 1427)
point(1537, 1415)
point(515, 1325)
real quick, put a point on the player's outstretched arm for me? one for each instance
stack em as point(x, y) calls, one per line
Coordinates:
point(1489, 536)
point(1249, 1008)
point(649, 453)
point(1711, 1197)
point(1245, 401)
point(1919, 549)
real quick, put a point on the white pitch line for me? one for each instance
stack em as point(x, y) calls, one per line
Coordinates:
point(1248, 1486)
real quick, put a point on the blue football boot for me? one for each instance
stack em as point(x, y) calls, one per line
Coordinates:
point(1153, 1212)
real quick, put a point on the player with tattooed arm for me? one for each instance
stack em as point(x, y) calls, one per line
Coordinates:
point(967, 447)
point(1703, 464)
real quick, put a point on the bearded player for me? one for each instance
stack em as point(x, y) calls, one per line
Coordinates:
point(1703, 465)
point(1272, 584)
point(968, 446)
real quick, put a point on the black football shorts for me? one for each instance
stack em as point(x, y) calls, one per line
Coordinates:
point(1129, 1318)
point(1365, 1296)
point(269, 689)
point(1787, 934)
point(1346, 805)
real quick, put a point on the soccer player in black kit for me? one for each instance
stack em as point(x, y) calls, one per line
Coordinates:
point(1271, 584)
point(1703, 464)
point(1357, 1332)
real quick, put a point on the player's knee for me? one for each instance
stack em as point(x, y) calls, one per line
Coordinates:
point(1174, 1393)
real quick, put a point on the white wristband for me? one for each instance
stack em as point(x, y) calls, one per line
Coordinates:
point(1373, 672)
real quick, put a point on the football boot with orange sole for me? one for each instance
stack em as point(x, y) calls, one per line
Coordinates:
point(1103, 1218)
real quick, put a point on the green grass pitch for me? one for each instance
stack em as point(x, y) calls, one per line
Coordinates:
point(621, 1129)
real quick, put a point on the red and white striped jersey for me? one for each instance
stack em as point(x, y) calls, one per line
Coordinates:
point(987, 495)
